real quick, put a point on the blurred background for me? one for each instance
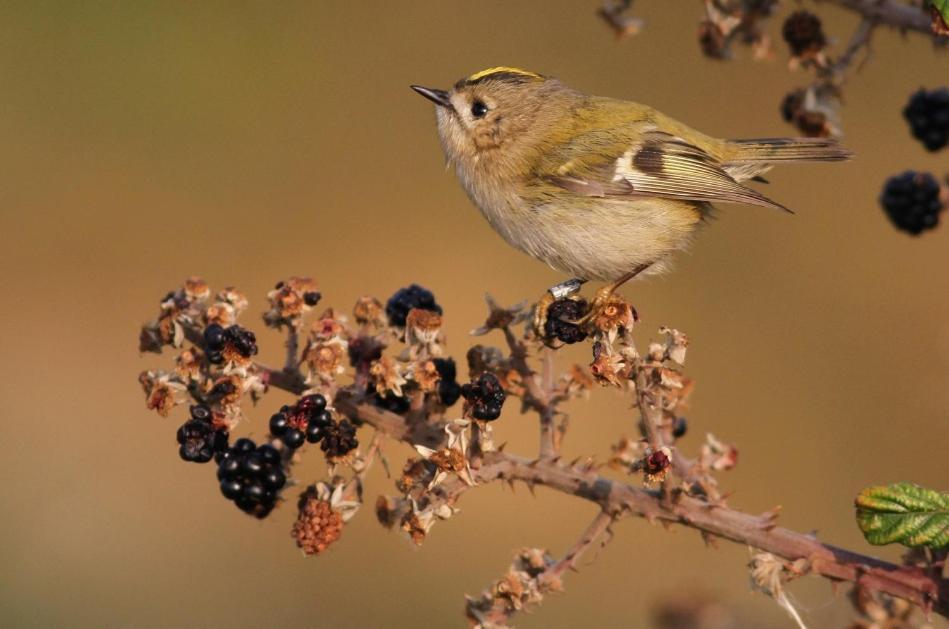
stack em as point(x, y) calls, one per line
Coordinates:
point(247, 141)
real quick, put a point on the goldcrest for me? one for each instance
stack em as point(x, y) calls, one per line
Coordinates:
point(597, 188)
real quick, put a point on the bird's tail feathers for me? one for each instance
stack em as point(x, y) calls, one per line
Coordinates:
point(787, 150)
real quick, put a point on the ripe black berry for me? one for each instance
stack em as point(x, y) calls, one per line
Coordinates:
point(200, 441)
point(315, 432)
point(251, 476)
point(448, 388)
point(405, 299)
point(911, 201)
point(339, 439)
point(928, 116)
point(803, 33)
point(560, 316)
point(278, 424)
point(214, 337)
point(231, 488)
point(244, 445)
point(293, 438)
point(312, 298)
point(679, 426)
point(484, 397)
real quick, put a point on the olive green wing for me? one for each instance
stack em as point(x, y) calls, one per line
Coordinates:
point(654, 164)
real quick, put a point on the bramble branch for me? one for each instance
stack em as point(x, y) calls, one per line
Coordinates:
point(407, 398)
point(890, 13)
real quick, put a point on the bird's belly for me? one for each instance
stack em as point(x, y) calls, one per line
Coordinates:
point(596, 238)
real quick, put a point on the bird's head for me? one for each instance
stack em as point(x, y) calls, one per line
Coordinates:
point(496, 115)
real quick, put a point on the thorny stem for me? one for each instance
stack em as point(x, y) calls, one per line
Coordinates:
point(374, 449)
point(291, 363)
point(599, 526)
point(836, 564)
point(538, 395)
point(890, 13)
point(548, 445)
point(860, 39)
point(925, 589)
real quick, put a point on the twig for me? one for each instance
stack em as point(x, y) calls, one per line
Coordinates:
point(291, 364)
point(600, 525)
point(889, 13)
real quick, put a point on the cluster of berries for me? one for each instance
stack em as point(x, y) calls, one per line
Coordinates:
point(911, 201)
point(307, 420)
point(560, 320)
point(484, 397)
point(405, 299)
point(251, 476)
point(928, 116)
point(803, 33)
point(218, 339)
point(339, 439)
point(199, 438)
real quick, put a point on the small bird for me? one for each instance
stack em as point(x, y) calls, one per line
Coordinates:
point(598, 188)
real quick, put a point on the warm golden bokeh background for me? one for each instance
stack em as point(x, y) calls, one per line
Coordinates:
point(143, 142)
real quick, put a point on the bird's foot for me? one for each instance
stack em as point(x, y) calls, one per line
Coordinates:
point(554, 293)
point(602, 301)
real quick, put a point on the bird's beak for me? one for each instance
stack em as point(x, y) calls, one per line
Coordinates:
point(439, 97)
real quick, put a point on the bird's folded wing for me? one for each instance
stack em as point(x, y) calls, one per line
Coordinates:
point(658, 165)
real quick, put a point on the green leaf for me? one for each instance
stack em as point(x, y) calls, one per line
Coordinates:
point(940, 10)
point(904, 513)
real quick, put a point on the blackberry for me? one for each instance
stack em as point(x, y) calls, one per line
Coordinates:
point(199, 441)
point(803, 33)
point(242, 340)
point(339, 439)
point(214, 343)
point(312, 298)
point(928, 116)
point(560, 314)
point(448, 388)
point(484, 397)
point(293, 438)
point(911, 201)
point(405, 299)
point(304, 421)
point(251, 476)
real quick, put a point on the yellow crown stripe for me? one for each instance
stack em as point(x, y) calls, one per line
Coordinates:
point(502, 70)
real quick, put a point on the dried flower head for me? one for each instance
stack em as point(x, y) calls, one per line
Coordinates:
point(162, 391)
point(425, 374)
point(656, 465)
point(386, 376)
point(196, 289)
point(369, 311)
point(290, 299)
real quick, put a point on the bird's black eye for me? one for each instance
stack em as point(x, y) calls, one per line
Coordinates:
point(478, 109)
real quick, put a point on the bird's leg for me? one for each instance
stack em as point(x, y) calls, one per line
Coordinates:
point(603, 295)
point(552, 294)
